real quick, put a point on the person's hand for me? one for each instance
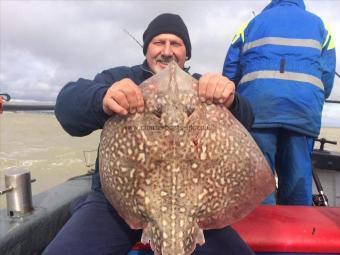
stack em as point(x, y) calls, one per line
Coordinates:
point(216, 88)
point(123, 97)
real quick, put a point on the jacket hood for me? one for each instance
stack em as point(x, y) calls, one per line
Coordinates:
point(275, 3)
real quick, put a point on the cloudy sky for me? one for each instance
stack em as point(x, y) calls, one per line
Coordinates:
point(44, 43)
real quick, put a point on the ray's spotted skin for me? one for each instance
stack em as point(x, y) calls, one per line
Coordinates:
point(181, 166)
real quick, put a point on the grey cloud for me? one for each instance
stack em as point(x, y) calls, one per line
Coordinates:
point(45, 44)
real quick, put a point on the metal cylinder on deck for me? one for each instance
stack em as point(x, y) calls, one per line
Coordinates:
point(19, 198)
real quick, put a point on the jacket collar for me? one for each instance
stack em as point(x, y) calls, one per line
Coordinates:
point(275, 3)
point(146, 69)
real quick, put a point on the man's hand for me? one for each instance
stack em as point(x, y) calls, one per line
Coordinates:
point(123, 97)
point(216, 88)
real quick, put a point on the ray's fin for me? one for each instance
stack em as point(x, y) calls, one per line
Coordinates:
point(200, 237)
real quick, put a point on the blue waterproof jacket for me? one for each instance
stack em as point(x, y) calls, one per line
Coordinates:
point(79, 106)
point(283, 62)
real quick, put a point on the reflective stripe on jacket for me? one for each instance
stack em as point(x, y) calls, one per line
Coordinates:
point(283, 61)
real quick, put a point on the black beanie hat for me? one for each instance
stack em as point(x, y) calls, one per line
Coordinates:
point(167, 23)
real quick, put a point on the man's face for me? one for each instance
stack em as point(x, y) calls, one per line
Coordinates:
point(162, 49)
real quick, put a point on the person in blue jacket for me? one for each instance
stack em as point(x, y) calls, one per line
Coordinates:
point(283, 62)
point(84, 106)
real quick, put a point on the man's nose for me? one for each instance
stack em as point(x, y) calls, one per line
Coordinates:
point(167, 51)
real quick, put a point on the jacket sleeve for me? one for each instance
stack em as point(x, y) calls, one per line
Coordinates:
point(79, 105)
point(242, 110)
point(328, 62)
point(231, 66)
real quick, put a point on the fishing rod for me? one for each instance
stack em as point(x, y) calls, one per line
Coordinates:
point(134, 38)
point(330, 100)
point(321, 199)
point(323, 159)
point(334, 101)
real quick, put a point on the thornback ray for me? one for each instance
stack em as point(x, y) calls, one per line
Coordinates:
point(181, 166)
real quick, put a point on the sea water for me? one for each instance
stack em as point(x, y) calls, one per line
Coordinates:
point(37, 142)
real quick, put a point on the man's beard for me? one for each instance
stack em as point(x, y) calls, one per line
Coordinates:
point(164, 60)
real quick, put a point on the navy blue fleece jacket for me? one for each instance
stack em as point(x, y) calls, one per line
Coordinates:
point(79, 106)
